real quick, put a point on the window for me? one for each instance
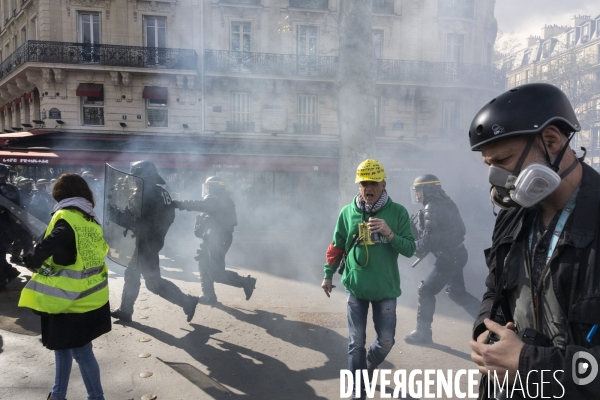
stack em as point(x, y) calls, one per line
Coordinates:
point(157, 113)
point(240, 106)
point(454, 47)
point(570, 39)
point(34, 29)
point(6, 8)
point(596, 136)
point(15, 42)
point(155, 32)
point(241, 36)
point(23, 35)
point(307, 109)
point(378, 43)
point(527, 78)
point(89, 28)
point(93, 108)
point(526, 58)
point(585, 33)
point(451, 115)
point(307, 40)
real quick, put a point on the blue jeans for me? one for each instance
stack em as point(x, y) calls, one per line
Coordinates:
point(384, 318)
point(90, 371)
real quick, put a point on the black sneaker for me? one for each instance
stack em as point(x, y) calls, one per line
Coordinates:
point(190, 307)
point(120, 315)
point(419, 337)
point(249, 286)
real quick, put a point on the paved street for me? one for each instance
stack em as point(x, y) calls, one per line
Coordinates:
point(288, 342)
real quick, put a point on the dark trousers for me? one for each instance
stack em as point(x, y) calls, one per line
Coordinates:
point(447, 271)
point(211, 264)
point(147, 262)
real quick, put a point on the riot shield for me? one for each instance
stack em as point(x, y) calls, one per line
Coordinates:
point(28, 222)
point(122, 213)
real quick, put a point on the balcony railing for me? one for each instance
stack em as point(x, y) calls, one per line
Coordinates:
point(235, 126)
point(101, 54)
point(269, 63)
point(307, 129)
point(311, 4)
point(456, 8)
point(326, 67)
point(383, 6)
point(243, 2)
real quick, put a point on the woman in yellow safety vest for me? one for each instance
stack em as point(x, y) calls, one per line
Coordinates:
point(69, 287)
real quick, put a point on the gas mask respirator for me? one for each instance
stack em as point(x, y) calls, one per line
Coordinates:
point(528, 186)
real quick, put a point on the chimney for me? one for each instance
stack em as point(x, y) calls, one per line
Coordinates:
point(549, 31)
point(533, 40)
point(579, 19)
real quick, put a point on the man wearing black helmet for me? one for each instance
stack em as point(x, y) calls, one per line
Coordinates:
point(157, 215)
point(441, 232)
point(42, 203)
point(215, 226)
point(541, 307)
point(7, 272)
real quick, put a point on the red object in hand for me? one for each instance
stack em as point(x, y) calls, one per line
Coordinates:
point(333, 254)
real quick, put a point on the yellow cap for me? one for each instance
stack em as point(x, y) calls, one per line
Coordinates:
point(370, 170)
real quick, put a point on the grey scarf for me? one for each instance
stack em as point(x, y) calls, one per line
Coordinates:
point(80, 203)
point(373, 207)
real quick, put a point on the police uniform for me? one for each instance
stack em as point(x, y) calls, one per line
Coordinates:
point(157, 215)
point(215, 226)
point(8, 228)
point(441, 231)
point(42, 203)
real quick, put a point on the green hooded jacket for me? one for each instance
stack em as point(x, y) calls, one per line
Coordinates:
point(378, 278)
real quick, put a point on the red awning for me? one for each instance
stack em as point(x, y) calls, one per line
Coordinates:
point(89, 90)
point(17, 100)
point(9, 105)
point(25, 157)
point(27, 96)
point(155, 92)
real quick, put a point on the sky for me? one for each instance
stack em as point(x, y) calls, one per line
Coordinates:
point(527, 17)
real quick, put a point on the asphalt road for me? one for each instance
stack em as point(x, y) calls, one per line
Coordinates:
point(288, 342)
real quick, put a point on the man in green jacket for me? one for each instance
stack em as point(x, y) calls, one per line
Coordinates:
point(369, 235)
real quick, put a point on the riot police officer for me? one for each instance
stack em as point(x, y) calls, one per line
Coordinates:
point(8, 227)
point(42, 203)
point(22, 244)
point(215, 226)
point(441, 232)
point(157, 215)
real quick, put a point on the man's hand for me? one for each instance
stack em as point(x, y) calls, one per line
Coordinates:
point(502, 356)
point(327, 286)
point(377, 225)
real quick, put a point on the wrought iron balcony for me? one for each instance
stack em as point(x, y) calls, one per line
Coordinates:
point(39, 51)
point(440, 72)
point(307, 129)
point(383, 6)
point(311, 4)
point(235, 126)
point(243, 2)
point(269, 63)
point(456, 8)
point(326, 67)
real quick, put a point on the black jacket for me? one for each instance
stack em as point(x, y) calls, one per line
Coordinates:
point(575, 269)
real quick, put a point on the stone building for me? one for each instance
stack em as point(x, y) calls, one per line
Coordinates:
point(567, 56)
point(240, 88)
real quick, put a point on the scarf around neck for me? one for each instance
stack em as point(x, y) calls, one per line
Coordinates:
point(373, 207)
point(80, 203)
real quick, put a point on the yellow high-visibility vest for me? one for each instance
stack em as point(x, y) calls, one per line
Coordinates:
point(76, 288)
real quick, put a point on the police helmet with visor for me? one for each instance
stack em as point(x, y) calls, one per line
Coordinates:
point(424, 186)
point(214, 185)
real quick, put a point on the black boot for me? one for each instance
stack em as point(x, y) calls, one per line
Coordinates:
point(209, 297)
point(249, 286)
point(420, 336)
point(190, 307)
point(121, 315)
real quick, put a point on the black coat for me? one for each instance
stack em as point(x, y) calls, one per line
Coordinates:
point(66, 331)
point(575, 269)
